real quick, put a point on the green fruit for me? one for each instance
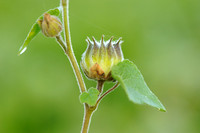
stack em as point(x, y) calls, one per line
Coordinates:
point(99, 58)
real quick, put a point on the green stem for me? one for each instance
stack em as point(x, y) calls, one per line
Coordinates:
point(87, 118)
point(69, 50)
point(62, 44)
point(107, 92)
point(89, 110)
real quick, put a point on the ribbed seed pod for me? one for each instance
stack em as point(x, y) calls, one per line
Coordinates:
point(99, 58)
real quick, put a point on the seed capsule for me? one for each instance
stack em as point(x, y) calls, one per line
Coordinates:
point(50, 25)
point(99, 58)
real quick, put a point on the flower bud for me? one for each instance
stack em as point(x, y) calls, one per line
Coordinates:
point(99, 58)
point(50, 25)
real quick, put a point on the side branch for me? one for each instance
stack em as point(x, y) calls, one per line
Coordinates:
point(62, 44)
point(107, 92)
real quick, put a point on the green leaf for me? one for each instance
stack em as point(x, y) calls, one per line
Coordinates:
point(55, 12)
point(131, 79)
point(33, 32)
point(36, 29)
point(90, 97)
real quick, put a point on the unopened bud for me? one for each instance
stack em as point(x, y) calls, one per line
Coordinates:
point(99, 58)
point(50, 25)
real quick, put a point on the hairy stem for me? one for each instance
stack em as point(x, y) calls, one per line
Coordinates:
point(70, 54)
point(87, 118)
point(89, 110)
point(69, 50)
point(107, 92)
point(62, 44)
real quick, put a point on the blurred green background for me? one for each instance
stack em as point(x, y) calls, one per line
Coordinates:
point(39, 93)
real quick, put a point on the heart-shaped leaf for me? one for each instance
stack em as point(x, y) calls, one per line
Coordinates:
point(36, 29)
point(130, 78)
point(90, 97)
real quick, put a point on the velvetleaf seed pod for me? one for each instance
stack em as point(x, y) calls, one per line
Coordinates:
point(50, 25)
point(99, 58)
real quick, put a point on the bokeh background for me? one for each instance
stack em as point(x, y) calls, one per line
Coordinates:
point(39, 93)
